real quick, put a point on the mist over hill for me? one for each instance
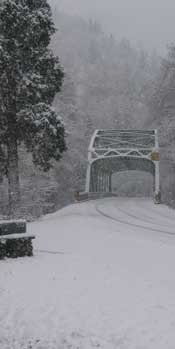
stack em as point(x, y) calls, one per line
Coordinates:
point(148, 23)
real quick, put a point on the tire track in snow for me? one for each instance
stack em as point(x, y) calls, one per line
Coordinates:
point(50, 252)
point(149, 221)
point(159, 214)
point(129, 223)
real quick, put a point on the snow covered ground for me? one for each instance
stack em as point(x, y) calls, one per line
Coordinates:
point(103, 276)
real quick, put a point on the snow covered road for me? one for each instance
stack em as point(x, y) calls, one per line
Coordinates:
point(103, 276)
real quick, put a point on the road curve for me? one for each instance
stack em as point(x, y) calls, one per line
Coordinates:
point(138, 213)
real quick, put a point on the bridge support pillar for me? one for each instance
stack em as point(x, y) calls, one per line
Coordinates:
point(157, 194)
point(96, 186)
point(88, 178)
point(100, 182)
point(106, 182)
point(103, 182)
point(96, 182)
point(110, 182)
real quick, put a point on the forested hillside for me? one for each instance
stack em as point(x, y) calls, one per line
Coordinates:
point(162, 111)
point(107, 84)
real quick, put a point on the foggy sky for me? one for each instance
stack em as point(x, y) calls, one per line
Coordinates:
point(150, 23)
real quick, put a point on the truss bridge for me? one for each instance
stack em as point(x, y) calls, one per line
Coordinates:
point(112, 151)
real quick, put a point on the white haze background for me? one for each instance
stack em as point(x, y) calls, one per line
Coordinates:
point(148, 23)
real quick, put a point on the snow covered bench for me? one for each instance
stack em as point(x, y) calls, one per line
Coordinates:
point(12, 227)
point(15, 245)
point(14, 241)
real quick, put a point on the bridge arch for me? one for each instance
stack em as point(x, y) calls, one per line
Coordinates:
point(114, 151)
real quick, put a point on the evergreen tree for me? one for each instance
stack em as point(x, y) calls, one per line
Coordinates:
point(30, 76)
